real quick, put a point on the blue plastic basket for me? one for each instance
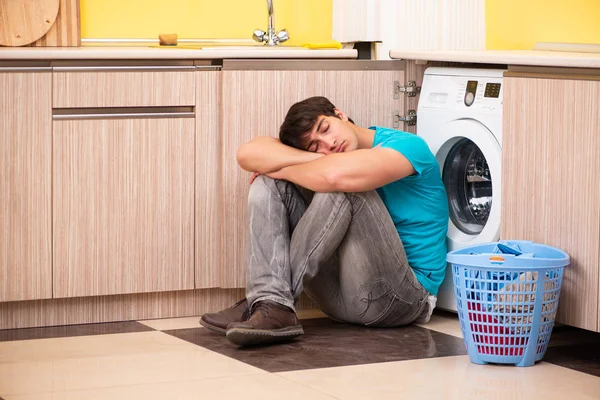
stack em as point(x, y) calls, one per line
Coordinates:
point(507, 295)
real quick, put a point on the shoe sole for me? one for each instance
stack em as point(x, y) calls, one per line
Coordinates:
point(213, 328)
point(256, 337)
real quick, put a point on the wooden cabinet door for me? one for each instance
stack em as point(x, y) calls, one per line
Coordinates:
point(255, 103)
point(123, 207)
point(208, 186)
point(25, 176)
point(551, 190)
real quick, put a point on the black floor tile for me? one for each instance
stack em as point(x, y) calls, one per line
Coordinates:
point(568, 335)
point(330, 344)
point(72, 330)
point(576, 349)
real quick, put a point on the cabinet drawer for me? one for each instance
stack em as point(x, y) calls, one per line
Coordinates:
point(94, 85)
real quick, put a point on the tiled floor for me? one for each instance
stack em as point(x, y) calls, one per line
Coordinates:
point(177, 359)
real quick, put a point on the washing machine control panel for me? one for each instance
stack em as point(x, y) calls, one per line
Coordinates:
point(492, 90)
point(481, 93)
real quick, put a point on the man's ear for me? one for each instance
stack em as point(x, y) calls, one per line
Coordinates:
point(340, 114)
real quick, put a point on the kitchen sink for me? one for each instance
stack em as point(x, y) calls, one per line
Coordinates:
point(212, 47)
point(260, 48)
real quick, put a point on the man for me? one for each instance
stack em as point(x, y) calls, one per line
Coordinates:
point(369, 247)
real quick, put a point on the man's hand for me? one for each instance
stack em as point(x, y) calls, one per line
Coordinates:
point(254, 176)
point(274, 175)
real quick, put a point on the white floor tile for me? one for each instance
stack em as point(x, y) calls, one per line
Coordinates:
point(310, 314)
point(192, 322)
point(262, 386)
point(88, 346)
point(172, 323)
point(448, 324)
point(449, 378)
point(109, 360)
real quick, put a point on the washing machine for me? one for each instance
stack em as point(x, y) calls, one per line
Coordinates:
point(460, 116)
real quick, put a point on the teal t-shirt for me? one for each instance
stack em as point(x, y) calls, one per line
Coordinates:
point(418, 206)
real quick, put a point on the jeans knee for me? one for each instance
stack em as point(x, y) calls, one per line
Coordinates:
point(328, 197)
point(261, 189)
point(337, 199)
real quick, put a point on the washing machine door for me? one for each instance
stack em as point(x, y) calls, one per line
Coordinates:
point(470, 160)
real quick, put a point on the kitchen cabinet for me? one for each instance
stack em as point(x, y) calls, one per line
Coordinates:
point(550, 193)
point(25, 171)
point(123, 179)
point(208, 178)
point(130, 181)
point(256, 97)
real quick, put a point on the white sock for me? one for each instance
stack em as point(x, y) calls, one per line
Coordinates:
point(427, 311)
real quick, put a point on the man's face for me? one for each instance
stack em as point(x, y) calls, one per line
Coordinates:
point(331, 135)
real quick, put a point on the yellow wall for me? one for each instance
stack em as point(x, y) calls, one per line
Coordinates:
point(305, 20)
point(520, 24)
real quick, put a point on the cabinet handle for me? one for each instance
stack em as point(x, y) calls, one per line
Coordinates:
point(25, 69)
point(123, 68)
point(64, 114)
point(209, 67)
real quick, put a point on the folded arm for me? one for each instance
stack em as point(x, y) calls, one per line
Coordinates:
point(354, 171)
point(266, 154)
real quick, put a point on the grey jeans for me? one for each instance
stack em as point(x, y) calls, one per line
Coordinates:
point(342, 249)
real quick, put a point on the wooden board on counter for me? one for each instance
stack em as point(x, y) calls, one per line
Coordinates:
point(66, 31)
point(23, 22)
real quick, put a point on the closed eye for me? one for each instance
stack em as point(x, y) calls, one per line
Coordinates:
point(323, 132)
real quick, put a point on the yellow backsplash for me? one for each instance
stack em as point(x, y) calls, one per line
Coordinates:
point(520, 24)
point(510, 24)
point(306, 20)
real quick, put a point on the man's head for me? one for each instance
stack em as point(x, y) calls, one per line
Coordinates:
point(316, 125)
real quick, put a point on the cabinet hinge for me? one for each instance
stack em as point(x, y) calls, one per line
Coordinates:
point(410, 119)
point(411, 89)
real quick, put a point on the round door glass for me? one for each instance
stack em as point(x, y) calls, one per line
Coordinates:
point(468, 185)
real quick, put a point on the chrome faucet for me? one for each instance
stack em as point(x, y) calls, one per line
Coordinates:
point(270, 38)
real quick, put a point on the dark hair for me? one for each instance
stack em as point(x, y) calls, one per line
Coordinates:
point(302, 117)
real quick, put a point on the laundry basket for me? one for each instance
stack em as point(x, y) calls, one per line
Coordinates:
point(507, 295)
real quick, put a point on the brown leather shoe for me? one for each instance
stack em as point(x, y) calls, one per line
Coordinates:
point(218, 321)
point(270, 322)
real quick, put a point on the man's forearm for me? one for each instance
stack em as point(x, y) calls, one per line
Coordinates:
point(306, 176)
point(266, 154)
point(347, 172)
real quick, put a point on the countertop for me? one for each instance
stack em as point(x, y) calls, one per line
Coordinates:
point(169, 53)
point(509, 57)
